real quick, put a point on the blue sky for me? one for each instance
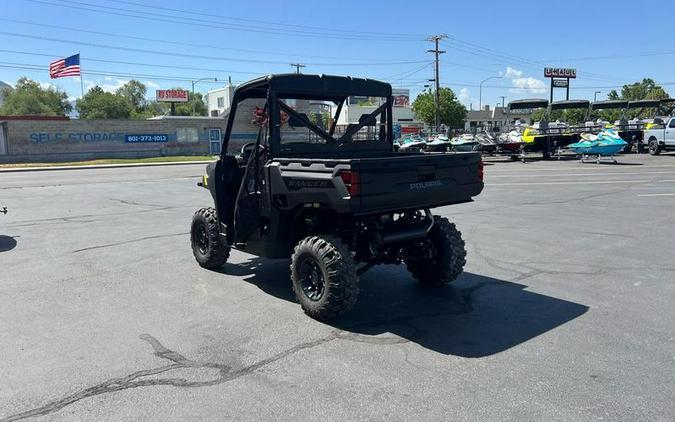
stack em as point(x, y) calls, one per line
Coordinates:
point(610, 42)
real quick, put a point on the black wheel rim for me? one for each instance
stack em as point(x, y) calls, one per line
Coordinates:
point(201, 239)
point(311, 279)
point(652, 146)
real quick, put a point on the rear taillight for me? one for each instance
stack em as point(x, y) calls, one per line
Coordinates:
point(481, 170)
point(351, 181)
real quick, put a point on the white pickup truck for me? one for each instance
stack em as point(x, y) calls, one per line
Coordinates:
point(660, 137)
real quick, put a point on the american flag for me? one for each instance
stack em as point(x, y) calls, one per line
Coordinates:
point(70, 66)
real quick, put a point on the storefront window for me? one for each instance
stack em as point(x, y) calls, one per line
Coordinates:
point(187, 134)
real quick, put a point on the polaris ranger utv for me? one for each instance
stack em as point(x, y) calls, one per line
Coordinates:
point(335, 199)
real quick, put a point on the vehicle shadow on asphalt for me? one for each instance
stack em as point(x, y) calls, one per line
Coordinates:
point(476, 316)
point(7, 243)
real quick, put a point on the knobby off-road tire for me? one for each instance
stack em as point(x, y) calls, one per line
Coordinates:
point(654, 148)
point(209, 248)
point(449, 255)
point(324, 277)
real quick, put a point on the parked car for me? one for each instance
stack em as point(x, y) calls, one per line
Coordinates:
point(660, 137)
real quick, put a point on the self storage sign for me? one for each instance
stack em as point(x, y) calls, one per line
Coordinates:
point(559, 72)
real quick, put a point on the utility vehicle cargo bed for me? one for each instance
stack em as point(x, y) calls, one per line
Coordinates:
point(394, 182)
point(417, 180)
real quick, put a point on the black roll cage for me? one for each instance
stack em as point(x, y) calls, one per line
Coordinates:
point(274, 88)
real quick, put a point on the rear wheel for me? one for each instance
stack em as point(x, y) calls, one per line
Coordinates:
point(654, 148)
point(324, 277)
point(448, 255)
point(209, 248)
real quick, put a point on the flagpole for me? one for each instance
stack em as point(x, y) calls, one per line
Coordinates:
point(81, 75)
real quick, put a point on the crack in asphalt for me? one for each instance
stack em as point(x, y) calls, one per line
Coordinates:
point(92, 217)
point(126, 242)
point(135, 203)
point(226, 373)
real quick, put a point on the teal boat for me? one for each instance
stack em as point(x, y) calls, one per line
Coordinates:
point(604, 144)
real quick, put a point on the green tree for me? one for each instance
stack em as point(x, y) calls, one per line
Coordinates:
point(29, 98)
point(185, 109)
point(451, 112)
point(647, 89)
point(134, 92)
point(98, 104)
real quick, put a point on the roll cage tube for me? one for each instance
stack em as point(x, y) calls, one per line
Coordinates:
point(305, 121)
point(351, 131)
point(347, 135)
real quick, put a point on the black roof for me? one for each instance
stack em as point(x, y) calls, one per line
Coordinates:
point(569, 104)
point(528, 104)
point(609, 104)
point(302, 86)
point(644, 104)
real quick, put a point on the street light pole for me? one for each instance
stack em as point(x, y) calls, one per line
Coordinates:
point(595, 95)
point(193, 90)
point(480, 90)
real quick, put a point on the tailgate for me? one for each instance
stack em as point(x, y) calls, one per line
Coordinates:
point(418, 181)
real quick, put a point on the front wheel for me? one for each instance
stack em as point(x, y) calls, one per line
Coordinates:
point(654, 148)
point(324, 277)
point(209, 248)
point(447, 255)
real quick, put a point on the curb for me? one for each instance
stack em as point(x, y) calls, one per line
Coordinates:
point(99, 166)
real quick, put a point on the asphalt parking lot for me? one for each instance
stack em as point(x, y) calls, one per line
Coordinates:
point(565, 311)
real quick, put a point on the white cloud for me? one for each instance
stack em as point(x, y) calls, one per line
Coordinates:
point(151, 84)
point(530, 84)
point(512, 73)
point(46, 85)
point(523, 84)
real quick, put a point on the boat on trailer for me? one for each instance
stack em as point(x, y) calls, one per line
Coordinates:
point(605, 144)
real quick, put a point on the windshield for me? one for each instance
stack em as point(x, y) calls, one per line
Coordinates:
point(331, 124)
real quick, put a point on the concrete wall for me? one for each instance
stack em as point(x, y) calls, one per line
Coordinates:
point(63, 140)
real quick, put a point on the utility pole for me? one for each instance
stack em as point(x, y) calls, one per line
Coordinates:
point(297, 66)
point(437, 96)
point(503, 97)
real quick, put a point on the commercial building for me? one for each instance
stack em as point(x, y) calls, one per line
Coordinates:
point(38, 138)
point(219, 100)
point(3, 86)
point(498, 117)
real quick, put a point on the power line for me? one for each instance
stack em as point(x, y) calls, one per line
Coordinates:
point(89, 59)
point(170, 42)
point(183, 11)
point(27, 66)
point(477, 50)
point(182, 20)
point(297, 66)
point(194, 56)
